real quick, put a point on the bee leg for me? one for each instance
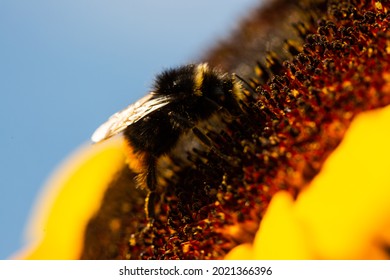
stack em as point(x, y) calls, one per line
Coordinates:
point(206, 140)
point(202, 137)
point(151, 182)
point(150, 203)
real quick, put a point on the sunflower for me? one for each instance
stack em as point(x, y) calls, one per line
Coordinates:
point(309, 155)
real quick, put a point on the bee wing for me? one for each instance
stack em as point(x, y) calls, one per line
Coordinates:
point(133, 113)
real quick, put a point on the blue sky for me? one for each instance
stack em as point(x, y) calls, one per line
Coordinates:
point(65, 66)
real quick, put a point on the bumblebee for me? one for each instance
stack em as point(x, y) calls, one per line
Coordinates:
point(182, 98)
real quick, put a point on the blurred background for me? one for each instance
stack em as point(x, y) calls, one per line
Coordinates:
point(66, 66)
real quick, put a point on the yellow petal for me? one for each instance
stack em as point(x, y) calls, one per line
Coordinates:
point(241, 252)
point(70, 199)
point(281, 236)
point(344, 213)
point(346, 209)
